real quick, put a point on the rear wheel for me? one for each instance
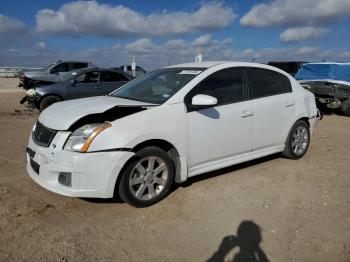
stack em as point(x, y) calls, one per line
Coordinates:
point(345, 107)
point(147, 178)
point(298, 140)
point(48, 101)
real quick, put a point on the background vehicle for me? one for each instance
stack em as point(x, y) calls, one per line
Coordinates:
point(128, 69)
point(169, 125)
point(77, 84)
point(291, 67)
point(50, 74)
point(330, 82)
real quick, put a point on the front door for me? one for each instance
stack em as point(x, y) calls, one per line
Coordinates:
point(225, 130)
point(86, 85)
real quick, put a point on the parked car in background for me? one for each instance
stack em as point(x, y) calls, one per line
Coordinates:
point(128, 69)
point(50, 74)
point(291, 67)
point(168, 125)
point(77, 84)
point(330, 82)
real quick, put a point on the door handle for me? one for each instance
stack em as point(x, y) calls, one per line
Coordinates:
point(247, 113)
point(97, 87)
point(289, 103)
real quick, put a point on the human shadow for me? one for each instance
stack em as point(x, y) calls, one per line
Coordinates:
point(247, 240)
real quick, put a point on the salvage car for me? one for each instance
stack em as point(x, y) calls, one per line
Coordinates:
point(50, 74)
point(76, 84)
point(330, 82)
point(168, 125)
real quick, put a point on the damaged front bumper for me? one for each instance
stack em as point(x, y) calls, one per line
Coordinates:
point(30, 101)
point(74, 174)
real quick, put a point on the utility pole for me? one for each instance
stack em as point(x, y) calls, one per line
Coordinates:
point(133, 66)
point(199, 56)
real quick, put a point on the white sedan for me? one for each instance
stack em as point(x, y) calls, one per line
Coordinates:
point(169, 125)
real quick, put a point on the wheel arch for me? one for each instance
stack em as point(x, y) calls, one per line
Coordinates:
point(50, 94)
point(180, 163)
point(303, 118)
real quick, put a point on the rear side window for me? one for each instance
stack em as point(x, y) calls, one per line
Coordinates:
point(266, 82)
point(227, 86)
point(78, 66)
point(112, 77)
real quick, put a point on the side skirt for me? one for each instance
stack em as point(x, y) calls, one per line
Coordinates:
point(232, 160)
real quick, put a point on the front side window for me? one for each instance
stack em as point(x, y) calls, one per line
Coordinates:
point(227, 86)
point(63, 67)
point(158, 86)
point(89, 77)
point(266, 82)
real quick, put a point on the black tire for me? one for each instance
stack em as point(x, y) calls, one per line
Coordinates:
point(290, 148)
point(48, 101)
point(126, 189)
point(345, 107)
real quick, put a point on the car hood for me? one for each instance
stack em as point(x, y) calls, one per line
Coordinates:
point(62, 115)
point(33, 73)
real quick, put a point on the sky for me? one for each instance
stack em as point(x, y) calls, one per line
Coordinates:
point(159, 33)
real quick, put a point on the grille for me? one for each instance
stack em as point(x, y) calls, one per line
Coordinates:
point(42, 135)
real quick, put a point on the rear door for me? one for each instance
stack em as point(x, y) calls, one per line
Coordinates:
point(274, 107)
point(86, 84)
point(110, 81)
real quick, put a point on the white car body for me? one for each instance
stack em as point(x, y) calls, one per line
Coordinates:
point(218, 137)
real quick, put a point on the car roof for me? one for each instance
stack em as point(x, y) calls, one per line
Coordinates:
point(209, 64)
point(88, 69)
point(72, 61)
point(206, 64)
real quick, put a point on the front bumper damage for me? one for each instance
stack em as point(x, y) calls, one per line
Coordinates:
point(90, 174)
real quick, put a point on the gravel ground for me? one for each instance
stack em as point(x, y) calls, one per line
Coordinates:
point(277, 209)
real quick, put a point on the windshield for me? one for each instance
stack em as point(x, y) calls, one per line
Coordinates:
point(50, 65)
point(158, 86)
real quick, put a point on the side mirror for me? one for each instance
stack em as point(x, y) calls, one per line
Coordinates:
point(73, 82)
point(200, 101)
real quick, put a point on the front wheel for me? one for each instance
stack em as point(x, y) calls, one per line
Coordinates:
point(48, 101)
point(298, 140)
point(148, 177)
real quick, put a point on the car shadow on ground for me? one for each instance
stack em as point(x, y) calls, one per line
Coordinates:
point(243, 247)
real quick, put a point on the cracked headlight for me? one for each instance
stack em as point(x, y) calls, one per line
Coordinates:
point(80, 139)
point(30, 92)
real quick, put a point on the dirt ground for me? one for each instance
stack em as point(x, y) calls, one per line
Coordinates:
point(282, 210)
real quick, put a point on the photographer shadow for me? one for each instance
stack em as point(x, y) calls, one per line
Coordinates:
point(247, 241)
